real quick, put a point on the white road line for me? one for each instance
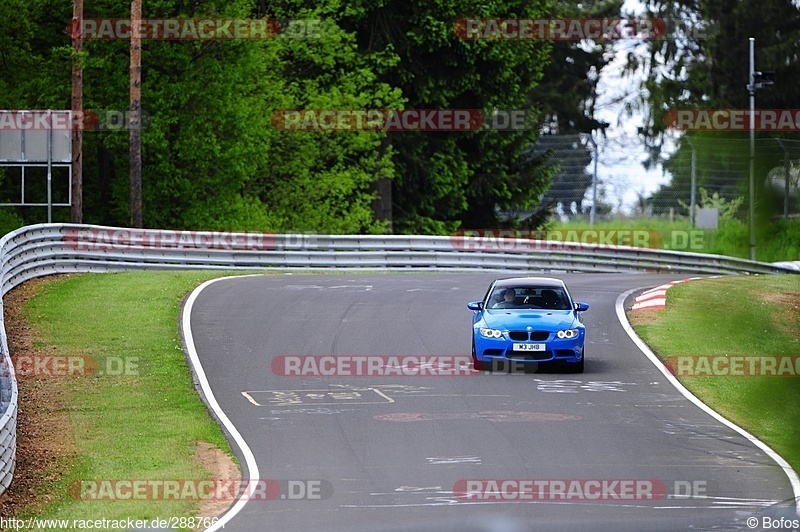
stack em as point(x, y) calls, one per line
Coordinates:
point(250, 398)
point(383, 395)
point(250, 460)
point(794, 480)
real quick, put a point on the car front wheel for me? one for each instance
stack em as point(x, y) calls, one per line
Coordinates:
point(577, 367)
point(477, 364)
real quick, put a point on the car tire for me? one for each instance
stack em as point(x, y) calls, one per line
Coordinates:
point(577, 367)
point(477, 364)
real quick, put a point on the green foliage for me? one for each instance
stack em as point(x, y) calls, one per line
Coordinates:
point(9, 220)
point(727, 208)
point(707, 68)
point(449, 180)
point(777, 240)
point(213, 159)
point(567, 93)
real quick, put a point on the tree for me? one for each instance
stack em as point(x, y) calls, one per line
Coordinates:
point(705, 65)
point(448, 180)
point(211, 156)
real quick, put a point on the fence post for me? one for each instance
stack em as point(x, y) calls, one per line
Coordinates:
point(693, 193)
point(593, 215)
point(785, 184)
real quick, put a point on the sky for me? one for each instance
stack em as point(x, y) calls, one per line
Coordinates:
point(620, 167)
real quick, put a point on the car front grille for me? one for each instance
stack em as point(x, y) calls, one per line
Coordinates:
point(535, 355)
point(522, 336)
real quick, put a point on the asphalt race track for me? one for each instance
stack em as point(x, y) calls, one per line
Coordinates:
point(385, 453)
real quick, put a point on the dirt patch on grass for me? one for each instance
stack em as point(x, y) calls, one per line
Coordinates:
point(221, 467)
point(789, 320)
point(644, 316)
point(45, 451)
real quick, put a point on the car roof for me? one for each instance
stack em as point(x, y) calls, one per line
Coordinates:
point(529, 282)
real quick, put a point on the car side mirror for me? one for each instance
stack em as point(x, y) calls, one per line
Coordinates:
point(581, 307)
point(475, 305)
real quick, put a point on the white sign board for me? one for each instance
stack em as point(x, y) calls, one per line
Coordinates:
point(707, 218)
point(26, 135)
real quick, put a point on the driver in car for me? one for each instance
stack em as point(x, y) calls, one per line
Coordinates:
point(508, 301)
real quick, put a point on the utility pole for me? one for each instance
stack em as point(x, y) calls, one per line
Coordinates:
point(136, 115)
point(593, 213)
point(757, 80)
point(751, 87)
point(76, 212)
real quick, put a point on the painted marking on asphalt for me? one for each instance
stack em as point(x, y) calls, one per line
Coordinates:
point(697, 431)
point(415, 489)
point(414, 391)
point(208, 393)
point(250, 398)
point(393, 389)
point(315, 411)
point(576, 386)
point(489, 415)
point(316, 397)
point(358, 287)
point(446, 460)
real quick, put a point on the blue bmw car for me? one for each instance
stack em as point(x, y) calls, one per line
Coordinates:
point(527, 321)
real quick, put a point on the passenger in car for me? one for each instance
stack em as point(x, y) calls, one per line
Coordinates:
point(551, 299)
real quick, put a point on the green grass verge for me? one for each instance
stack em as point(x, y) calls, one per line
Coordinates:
point(778, 241)
point(738, 316)
point(129, 426)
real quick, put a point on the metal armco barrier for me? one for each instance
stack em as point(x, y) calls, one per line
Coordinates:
point(45, 249)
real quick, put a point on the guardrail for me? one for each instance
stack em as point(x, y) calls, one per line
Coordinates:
point(45, 249)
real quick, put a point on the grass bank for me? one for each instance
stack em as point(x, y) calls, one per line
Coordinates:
point(130, 411)
point(731, 317)
point(779, 241)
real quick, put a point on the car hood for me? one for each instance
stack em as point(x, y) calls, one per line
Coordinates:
point(541, 320)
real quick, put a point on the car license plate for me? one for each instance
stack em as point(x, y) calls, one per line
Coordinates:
point(528, 347)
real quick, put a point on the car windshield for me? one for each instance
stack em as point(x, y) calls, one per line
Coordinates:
point(529, 297)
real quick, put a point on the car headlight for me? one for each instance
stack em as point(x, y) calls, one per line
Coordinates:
point(490, 333)
point(568, 333)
